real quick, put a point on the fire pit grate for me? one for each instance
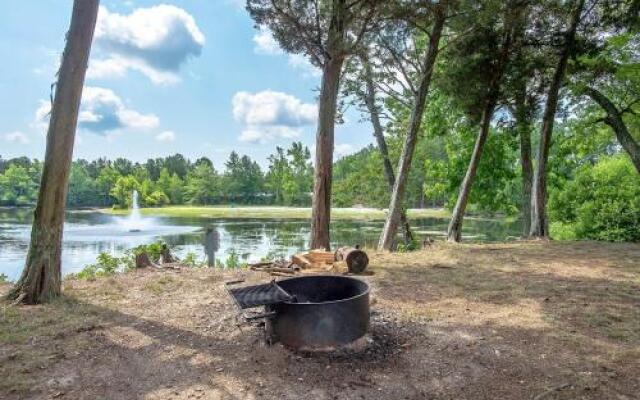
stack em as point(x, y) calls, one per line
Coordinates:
point(259, 295)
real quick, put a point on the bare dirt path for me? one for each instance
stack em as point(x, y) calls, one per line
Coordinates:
point(528, 320)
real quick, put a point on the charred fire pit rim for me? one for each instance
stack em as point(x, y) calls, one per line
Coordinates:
point(309, 303)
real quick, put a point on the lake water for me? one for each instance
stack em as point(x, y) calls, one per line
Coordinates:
point(89, 233)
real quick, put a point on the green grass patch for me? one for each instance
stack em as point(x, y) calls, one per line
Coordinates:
point(275, 212)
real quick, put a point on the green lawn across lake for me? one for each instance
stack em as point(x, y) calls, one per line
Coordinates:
point(275, 212)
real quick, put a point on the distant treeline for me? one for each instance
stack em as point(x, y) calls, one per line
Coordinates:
point(168, 180)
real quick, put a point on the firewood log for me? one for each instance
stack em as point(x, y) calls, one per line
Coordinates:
point(301, 260)
point(356, 259)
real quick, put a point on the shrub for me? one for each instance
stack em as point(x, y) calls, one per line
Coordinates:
point(602, 202)
point(191, 260)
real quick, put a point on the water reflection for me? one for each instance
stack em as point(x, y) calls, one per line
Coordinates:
point(89, 233)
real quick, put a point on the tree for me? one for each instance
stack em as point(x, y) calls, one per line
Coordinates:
point(41, 278)
point(614, 118)
point(243, 178)
point(326, 31)
point(17, 188)
point(424, 71)
point(485, 56)
point(609, 76)
point(299, 182)
point(277, 175)
point(122, 190)
point(360, 83)
point(107, 178)
point(202, 185)
point(539, 221)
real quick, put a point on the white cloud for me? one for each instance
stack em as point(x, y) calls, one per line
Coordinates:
point(102, 112)
point(265, 134)
point(154, 41)
point(272, 108)
point(302, 63)
point(166, 136)
point(270, 115)
point(343, 149)
point(16, 137)
point(266, 44)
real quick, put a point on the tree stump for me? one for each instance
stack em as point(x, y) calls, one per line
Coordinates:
point(143, 260)
point(356, 259)
point(165, 256)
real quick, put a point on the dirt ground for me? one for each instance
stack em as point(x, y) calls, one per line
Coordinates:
point(527, 320)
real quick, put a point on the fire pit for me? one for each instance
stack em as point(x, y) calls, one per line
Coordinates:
point(310, 312)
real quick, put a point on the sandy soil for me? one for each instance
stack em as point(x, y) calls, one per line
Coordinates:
point(512, 321)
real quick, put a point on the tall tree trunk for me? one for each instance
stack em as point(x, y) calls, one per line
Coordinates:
point(454, 231)
point(378, 133)
point(539, 221)
point(41, 277)
point(332, 68)
point(614, 120)
point(523, 122)
point(404, 163)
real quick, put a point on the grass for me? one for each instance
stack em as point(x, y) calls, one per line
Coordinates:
point(275, 212)
point(471, 321)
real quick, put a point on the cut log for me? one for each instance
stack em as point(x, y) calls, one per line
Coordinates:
point(301, 260)
point(320, 256)
point(356, 259)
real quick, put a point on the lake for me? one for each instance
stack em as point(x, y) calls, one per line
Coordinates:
point(87, 233)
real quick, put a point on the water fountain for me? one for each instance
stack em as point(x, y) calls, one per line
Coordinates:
point(134, 222)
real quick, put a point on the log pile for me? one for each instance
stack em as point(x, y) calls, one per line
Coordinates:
point(345, 260)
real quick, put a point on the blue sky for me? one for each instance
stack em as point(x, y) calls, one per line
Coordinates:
point(188, 76)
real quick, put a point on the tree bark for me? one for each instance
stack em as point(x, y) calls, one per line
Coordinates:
point(41, 277)
point(454, 231)
point(539, 221)
point(331, 70)
point(614, 120)
point(378, 133)
point(404, 163)
point(523, 122)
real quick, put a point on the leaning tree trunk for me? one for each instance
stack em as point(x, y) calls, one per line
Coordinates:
point(454, 232)
point(40, 280)
point(539, 221)
point(378, 133)
point(524, 132)
point(614, 120)
point(404, 163)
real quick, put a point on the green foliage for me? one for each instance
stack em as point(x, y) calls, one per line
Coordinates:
point(407, 247)
point(153, 250)
point(105, 265)
point(191, 260)
point(17, 187)
point(4, 278)
point(289, 179)
point(601, 202)
point(233, 260)
point(122, 190)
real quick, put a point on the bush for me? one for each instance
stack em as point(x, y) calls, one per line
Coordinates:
point(191, 260)
point(602, 202)
point(105, 265)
